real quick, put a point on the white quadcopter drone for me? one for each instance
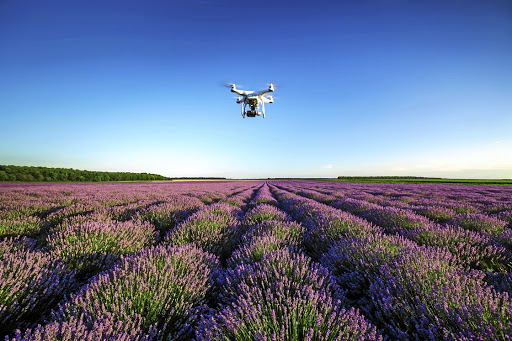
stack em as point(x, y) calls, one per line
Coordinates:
point(253, 99)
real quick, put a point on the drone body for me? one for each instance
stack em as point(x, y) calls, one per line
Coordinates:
point(253, 99)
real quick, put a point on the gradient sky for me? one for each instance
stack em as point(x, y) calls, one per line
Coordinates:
point(368, 87)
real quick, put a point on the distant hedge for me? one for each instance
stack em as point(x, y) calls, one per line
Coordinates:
point(45, 174)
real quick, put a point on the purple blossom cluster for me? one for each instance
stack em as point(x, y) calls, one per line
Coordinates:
point(429, 299)
point(263, 196)
point(284, 296)
point(92, 247)
point(216, 228)
point(392, 219)
point(240, 198)
point(57, 216)
point(476, 249)
point(325, 224)
point(165, 286)
point(264, 212)
point(438, 214)
point(25, 226)
point(30, 282)
point(265, 238)
point(255, 260)
point(167, 215)
point(479, 222)
point(505, 216)
point(104, 328)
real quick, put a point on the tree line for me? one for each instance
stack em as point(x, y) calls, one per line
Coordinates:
point(46, 174)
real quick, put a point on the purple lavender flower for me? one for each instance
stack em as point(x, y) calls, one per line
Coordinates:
point(88, 329)
point(92, 247)
point(30, 281)
point(479, 222)
point(285, 296)
point(216, 229)
point(289, 232)
point(263, 196)
point(26, 226)
point(473, 248)
point(164, 286)
point(166, 215)
point(438, 214)
point(264, 212)
point(420, 296)
point(279, 236)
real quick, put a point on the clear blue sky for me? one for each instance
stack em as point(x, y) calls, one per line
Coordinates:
point(368, 87)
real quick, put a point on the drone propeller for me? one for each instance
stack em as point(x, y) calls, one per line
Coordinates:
point(275, 85)
point(229, 85)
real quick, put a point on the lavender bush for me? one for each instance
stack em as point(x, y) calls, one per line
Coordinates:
point(479, 222)
point(104, 328)
point(427, 299)
point(92, 247)
point(283, 297)
point(438, 214)
point(27, 226)
point(164, 286)
point(265, 238)
point(30, 282)
point(216, 229)
point(476, 249)
point(165, 216)
point(264, 212)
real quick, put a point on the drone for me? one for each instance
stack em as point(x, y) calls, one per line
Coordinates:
point(253, 99)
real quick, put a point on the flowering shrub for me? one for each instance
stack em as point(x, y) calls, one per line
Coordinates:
point(30, 281)
point(165, 285)
point(216, 229)
point(430, 300)
point(392, 219)
point(266, 238)
point(479, 222)
point(264, 212)
point(28, 226)
point(284, 296)
point(91, 247)
point(165, 216)
point(104, 328)
point(289, 232)
point(263, 196)
point(476, 249)
point(438, 214)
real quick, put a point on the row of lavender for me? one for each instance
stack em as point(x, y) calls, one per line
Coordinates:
point(249, 265)
point(437, 202)
point(412, 291)
point(55, 238)
point(483, 241)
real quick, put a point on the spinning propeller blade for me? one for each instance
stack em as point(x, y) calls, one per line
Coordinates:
point(275, 85)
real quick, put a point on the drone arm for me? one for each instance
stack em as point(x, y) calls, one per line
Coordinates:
point(238, 92)
point(268, 99)
point(264, 92)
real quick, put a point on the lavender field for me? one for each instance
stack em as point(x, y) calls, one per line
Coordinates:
point(255, 260)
